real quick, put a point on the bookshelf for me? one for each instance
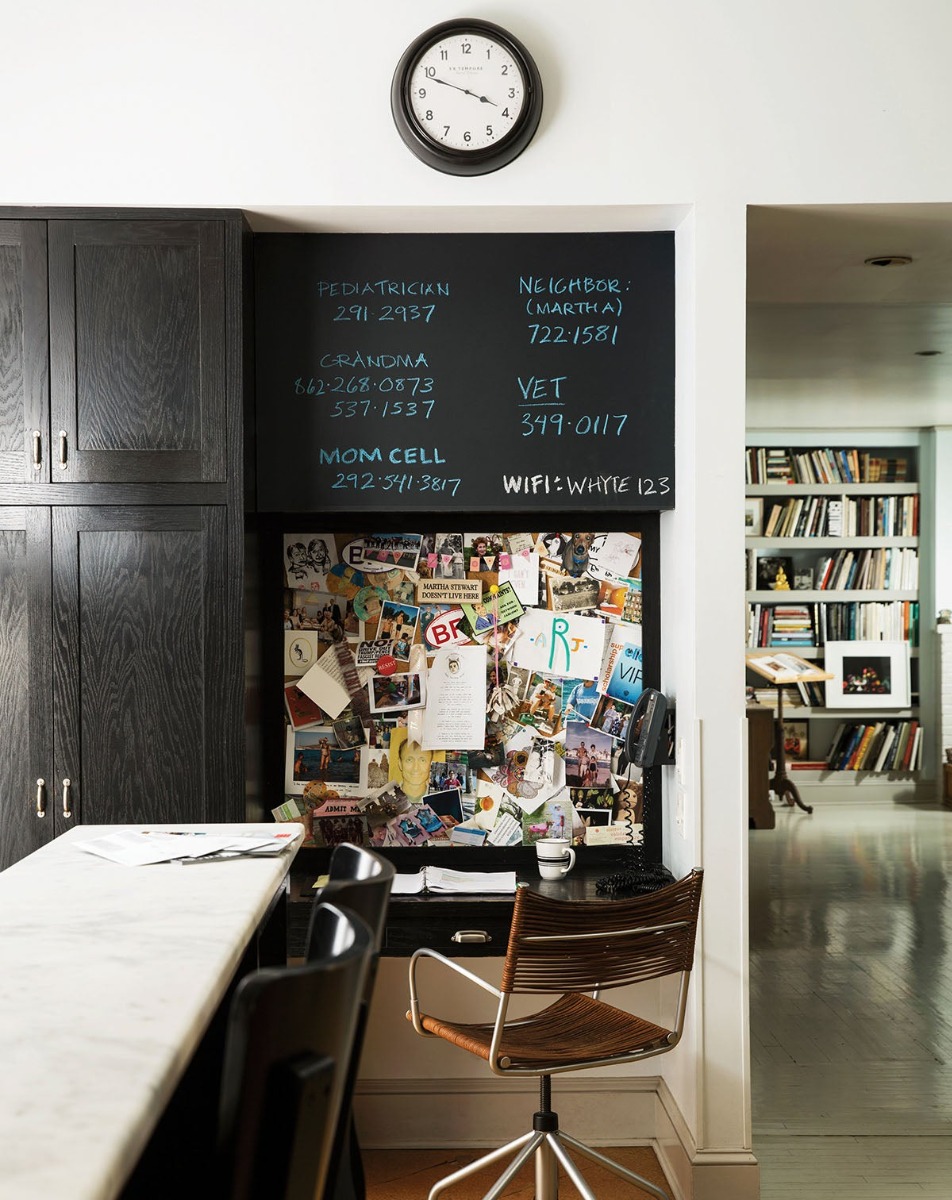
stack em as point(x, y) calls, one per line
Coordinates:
point(833, 556)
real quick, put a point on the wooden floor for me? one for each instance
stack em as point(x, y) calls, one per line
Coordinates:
point(851, 1002)
point(409, 1175)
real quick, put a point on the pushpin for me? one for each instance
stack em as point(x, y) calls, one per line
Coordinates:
point(493, 588)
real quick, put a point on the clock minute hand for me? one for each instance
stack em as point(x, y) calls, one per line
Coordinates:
point(446, 83)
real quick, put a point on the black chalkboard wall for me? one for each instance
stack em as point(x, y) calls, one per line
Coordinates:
point(465, 372)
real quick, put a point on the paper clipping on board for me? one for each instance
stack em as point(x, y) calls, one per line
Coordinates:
point(325, 684)
point(455, 714)
point(560, 644)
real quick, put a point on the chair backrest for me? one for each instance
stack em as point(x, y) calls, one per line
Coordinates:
point(583, 945)
point(287, 1054)
point(358, 880)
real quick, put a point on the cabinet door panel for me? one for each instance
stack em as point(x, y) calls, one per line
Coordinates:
point(137, 666)
point(137, 350)
point(25, 683)
point(24, 348)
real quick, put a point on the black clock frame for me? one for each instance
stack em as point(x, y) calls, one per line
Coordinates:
point(448, 159)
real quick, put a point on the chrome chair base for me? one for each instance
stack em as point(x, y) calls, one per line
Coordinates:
point(549, 1149)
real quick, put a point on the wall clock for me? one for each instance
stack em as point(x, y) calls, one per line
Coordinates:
point(466, 97)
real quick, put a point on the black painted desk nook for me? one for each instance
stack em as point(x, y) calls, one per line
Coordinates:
point(464, 925)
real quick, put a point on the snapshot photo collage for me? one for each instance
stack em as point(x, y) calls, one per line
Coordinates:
point(461, 688)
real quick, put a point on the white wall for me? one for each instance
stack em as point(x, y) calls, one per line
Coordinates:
point(663, 104)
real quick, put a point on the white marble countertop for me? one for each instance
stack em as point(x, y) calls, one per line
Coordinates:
point(109, 976)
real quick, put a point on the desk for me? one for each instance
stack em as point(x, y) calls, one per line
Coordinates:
point(109, 976)
point(432, 919)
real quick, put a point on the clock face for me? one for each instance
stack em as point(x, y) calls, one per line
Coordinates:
point(466, 92)
point(466, 97)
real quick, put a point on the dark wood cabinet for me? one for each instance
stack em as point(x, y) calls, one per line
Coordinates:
point(118, 675)
point(25, 681)
point(112, 359)
point(24, 352)
point(760, 739)
point(122, 656)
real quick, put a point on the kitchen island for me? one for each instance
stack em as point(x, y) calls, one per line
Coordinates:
point(109, 978)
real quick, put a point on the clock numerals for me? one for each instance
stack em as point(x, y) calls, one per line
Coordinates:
point(466, 97)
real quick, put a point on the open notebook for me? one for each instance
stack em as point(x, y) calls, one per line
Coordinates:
point(443, 879)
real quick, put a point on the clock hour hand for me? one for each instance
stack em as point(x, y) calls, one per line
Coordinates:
point(465, 91)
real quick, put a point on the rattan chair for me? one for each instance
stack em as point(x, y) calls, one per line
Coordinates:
point(570, 948)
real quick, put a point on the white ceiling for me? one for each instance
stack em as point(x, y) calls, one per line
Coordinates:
point(816, 312)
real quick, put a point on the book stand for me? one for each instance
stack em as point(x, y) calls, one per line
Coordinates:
point(782, 669)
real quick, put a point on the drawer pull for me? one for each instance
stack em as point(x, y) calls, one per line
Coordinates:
point(37, 450)
point(470, 935)
point(67, 810)
point(41, 797)
point(64, 456)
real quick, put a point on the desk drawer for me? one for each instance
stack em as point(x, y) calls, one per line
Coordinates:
point(433, 921)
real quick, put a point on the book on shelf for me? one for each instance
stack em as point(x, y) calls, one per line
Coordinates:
point(786, 668)
point(840, 621)
point(885, 748)
point(808, 764)
point(823, 465)
point(860, 748)
point(881, 568)
point(876, 746)
point(767, 696)
point(915, 754)
point(878, 469)
point(812, 693)
point(834, 518)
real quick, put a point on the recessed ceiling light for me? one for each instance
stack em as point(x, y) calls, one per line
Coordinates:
point(927, 353)
point(888, 260)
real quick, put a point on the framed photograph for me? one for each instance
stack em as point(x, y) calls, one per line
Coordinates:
point(795, 743)
point(754, 516)
point(774, 573)
point(867, 675)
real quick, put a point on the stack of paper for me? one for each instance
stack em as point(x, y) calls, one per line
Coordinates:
point(141, 847)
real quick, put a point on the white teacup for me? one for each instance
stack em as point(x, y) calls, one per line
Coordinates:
point(555, 856)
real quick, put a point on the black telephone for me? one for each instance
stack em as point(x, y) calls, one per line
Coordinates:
point(646, 742)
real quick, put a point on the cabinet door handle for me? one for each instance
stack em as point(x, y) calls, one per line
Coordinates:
point(470, 935)
point(67, 811)
point(64, 460)
point(41, 797)
point(37, 450)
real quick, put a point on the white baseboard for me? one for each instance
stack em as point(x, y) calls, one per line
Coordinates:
point(409, 1114)
point(700, 1174)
